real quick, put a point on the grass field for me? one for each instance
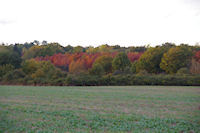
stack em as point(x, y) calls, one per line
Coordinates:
point(99, 109)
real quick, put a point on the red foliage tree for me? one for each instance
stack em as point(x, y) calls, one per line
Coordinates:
point(64, 60)
point(133, 56)
point(197, 56)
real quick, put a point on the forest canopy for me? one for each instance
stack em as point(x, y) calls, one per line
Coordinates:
point(36, 63)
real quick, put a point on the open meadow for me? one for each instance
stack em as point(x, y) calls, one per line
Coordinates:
point(100, 109)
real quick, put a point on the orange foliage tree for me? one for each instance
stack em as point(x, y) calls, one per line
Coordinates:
point(64, 61)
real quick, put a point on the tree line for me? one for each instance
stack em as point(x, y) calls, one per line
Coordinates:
point(36, 63)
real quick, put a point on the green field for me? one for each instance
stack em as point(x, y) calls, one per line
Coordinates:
point(99, 109)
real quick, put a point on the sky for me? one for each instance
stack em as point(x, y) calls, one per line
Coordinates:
point(96, 22)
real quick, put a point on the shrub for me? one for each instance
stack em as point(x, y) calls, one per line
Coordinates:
point(142, 72)
point(183, 71)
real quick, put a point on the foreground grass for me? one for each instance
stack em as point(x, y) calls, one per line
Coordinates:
point(99, 109)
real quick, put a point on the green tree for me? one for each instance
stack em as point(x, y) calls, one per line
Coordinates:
point(31, 52)
point(30, 66)
point(68, 49)
point(5, 69)
point(168, 45)
point(41, 71)
point(137, 49)
point(8, 56)
point(121, 61)
point(91, 49)
point(78, 49)
point(104, 48)
point(46, 70)
point(51, 49)
point(176, 58)
point(96, 69)
point(150, 60)
point(105, 62)
point(43, 50)
point(15, 76)
point(133, 67)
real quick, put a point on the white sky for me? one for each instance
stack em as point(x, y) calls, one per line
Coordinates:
point(96, 22)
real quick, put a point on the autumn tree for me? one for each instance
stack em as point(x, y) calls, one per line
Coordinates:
point(77, 67)
point(134, 56)
point(64, 60)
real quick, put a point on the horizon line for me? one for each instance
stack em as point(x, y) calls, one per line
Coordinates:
point(197, 43)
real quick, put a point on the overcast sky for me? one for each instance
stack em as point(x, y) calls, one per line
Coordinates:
point(96, 22)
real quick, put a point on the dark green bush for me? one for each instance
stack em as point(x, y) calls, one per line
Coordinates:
point(18, 77)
